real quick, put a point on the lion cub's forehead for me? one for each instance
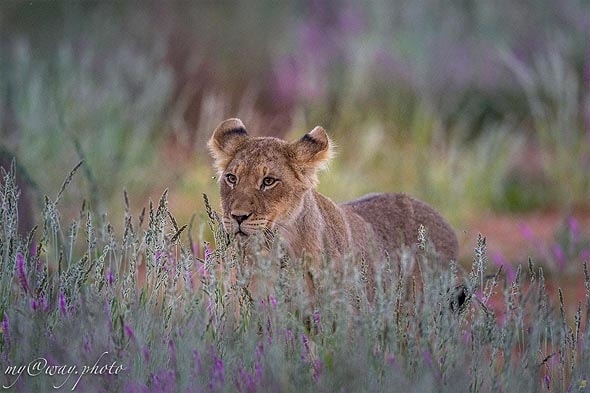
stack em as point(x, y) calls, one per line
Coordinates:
point(262, 154)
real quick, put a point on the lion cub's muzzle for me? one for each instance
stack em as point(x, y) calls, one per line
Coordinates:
point(238, 222)
point(244, 223)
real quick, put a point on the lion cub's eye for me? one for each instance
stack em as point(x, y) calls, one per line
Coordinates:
point(231, 179)
point(268, 182)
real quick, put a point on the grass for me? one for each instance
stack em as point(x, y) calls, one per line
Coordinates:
point(441, 104)
point(172, 313)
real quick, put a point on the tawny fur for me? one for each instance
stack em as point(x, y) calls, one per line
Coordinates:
point(372, 228)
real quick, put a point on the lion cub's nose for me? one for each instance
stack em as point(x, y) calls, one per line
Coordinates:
point(240, 216)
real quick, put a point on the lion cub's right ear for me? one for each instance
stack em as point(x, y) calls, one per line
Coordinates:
point(225, 141)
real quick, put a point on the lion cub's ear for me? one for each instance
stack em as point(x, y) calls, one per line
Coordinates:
point(312, 153)
point(225, 141)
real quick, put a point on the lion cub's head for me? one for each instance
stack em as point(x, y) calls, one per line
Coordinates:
point(263, 179)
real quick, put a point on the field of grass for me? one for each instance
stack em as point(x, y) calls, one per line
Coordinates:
point(482, 110)
point(78, 312)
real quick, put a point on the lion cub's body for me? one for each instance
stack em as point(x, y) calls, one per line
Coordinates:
point(267, 185)
point(372, 228)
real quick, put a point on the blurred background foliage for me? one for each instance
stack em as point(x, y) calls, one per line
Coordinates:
point(472, 106)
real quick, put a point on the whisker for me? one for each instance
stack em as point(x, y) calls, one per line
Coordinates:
point(286, 229)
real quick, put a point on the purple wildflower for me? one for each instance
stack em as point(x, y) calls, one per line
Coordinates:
point(34, 304)
point(163, 381)
point(559, 255)
point(110, 277)
point(5, 328)
point(22, 273)
point(290, 340)
point(172, 350)
point(317, 321)
point(318, 369)
point(273, 301)
point(129, 332)
point(305, 342)
point(427, 358)
point(217, 374)
point(527, 233)
point(245, 381)
point(574, 228)
point(62, 304)
point(390, 359)
point(198, 362)
point(136, 387)
point(202, 270)
point(259, 350)
point(87, 345)
point(547, 380)
point(258, 372)
point(43, 301)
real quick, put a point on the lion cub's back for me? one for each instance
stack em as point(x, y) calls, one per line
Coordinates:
point(395, 219)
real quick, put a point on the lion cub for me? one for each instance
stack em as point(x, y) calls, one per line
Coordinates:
point(267, 184)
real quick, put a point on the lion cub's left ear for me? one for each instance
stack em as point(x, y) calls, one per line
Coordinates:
point(225, 141)
point(312, 153)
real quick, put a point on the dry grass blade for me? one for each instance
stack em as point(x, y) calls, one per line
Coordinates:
point(178, 233)
point(67, 181)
